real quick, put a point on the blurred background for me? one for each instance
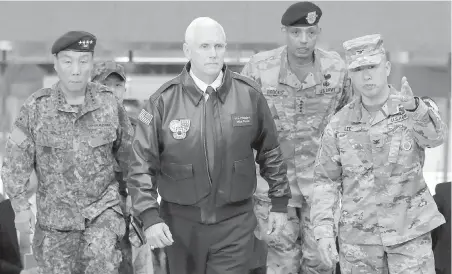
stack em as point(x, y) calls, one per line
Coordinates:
point(147, 37)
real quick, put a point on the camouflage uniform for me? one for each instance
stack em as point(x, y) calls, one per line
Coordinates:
point(99, 74)
point(74, 152)
point(387, 211)
point(301, 110)
point(137, 260)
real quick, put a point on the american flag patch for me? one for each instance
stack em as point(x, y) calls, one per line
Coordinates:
point(145, 117)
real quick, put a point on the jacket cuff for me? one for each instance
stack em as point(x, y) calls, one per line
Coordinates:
point(150, 217)
point(279, 204)
point(9, 268)
point(323, 231)
point(420, 112)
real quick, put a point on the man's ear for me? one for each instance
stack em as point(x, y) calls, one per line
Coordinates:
point(388, 68)
point(55, 60)
point(187, 51)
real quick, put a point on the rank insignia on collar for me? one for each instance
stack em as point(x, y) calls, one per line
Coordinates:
point(179, 128)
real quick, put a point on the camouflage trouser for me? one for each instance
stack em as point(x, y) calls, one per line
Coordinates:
point(126, 265)
point(296, 248)
point(142, 259)
point(147, 261)
point(92, 251)
point(412, 257)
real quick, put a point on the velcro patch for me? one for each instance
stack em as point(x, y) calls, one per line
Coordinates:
point(321, 91)
point(274, 92)
point(145, 117)
point(398, 118)
point(354, 128)
point(99, 125)
point(18, 136)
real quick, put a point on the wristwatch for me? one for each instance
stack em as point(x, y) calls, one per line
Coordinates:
point(416, 99)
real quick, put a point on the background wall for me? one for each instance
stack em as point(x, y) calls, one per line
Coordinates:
point(407, 25)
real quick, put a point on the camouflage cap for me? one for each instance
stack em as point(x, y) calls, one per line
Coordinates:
point(102, 70)
point(364, 51)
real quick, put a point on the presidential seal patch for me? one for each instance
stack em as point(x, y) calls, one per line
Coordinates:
point(179, 128)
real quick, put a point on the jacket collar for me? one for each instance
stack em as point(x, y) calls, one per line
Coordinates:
point(91, 101)
point(196, 94)
point(360, 115)
point(287, 77)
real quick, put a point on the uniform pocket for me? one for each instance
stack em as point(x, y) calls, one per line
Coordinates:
point(120, 229)
point(102, 146)
point(51, 140)
point(427, 261)
point(407, 146)
point(103, 139)
point(177, 172)
point(353, 154)
point(243, 182)
point(317, 107)
point(287, 239)
point(261, 209)
point(37, 243)
point(52, 151)
point(178, 184)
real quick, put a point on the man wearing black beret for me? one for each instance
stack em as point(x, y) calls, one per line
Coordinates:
point(74, 135)
point(304, 86)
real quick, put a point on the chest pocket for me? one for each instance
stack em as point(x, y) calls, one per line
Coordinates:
point(277, 101)
point(406, 157)
point(101, 145)
point(355, 152)
point(318, 102)
point(53, 152)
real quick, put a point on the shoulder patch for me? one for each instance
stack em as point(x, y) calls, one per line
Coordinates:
point(329, 54)
point(43, 92)
point(18, 136)
point(267, 55)
point(247, 80)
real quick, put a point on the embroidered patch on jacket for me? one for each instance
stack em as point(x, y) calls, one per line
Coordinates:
point(179, 128)
point(145, 117)
point(239, 120)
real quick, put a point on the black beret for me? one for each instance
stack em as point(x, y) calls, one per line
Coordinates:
point(302, 14)
point(75, 41)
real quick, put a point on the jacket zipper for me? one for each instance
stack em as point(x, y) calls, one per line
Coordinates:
point(204, 142)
